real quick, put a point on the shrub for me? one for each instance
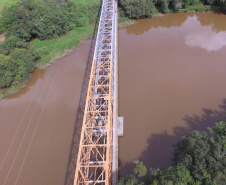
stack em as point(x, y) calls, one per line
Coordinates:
point(16, 61)
point(137, 8)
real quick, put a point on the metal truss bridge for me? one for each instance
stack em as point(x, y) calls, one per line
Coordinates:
point(97, 161)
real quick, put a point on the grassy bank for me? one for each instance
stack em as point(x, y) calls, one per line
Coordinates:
point(147, 9)
point(55, 48)
point(200, 8)
point(125, 21)
point(51, 50)
point(12, 89)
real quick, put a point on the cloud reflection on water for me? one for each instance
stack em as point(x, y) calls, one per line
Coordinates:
point(206, 39)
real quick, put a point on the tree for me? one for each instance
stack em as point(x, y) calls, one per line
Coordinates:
point(175, 175)
point(204, 155)
point(38, 19)
point(7, 67)
point(199, 159)
point(140, 169)
point(137, 8)
point(128, 180)
point(17, 61)
point(162, 5)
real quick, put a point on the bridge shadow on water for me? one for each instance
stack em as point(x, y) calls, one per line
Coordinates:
point(159, 152)
point(70, 173)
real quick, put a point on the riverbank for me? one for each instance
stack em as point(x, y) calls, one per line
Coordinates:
point(50, 50)
point(62, 46)
point(124, 21)
point(200, 8)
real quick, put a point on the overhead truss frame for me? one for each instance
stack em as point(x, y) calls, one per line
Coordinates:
point(94, 161)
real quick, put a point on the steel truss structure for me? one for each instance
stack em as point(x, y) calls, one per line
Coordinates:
point(94, 162)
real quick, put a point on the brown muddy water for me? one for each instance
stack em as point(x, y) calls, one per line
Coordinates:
point(36, 124)
point(172, 73)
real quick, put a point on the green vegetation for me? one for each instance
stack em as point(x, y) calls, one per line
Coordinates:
point(17, 61)
point(86, 11)
point(123, 20)
point(137, 8)
point(12, 89)
point(199, 159)
point(54, 48)
point(44, 20)
point(148, 8)
point(6, 3)
point(198, 8)
point(39, 31)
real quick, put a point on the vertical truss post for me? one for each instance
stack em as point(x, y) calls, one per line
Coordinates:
point(94, 162)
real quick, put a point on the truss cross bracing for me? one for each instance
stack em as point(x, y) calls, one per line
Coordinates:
point(94, 162)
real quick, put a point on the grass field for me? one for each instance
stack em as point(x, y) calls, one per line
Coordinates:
point(78, 2)
point(10, 2)
point(88, 2)
point(196, 8)
point(55, 48)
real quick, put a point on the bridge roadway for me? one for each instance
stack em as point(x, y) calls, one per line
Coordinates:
point(97, 161)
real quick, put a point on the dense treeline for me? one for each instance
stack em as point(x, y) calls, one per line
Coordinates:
point(38, 19)
point(30, 19)
point(17, 61)
point(147, 8)
point(26, 20)
point(199, 159)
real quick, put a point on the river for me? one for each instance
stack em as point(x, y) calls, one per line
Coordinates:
point(37, 123)
point(171, 81)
